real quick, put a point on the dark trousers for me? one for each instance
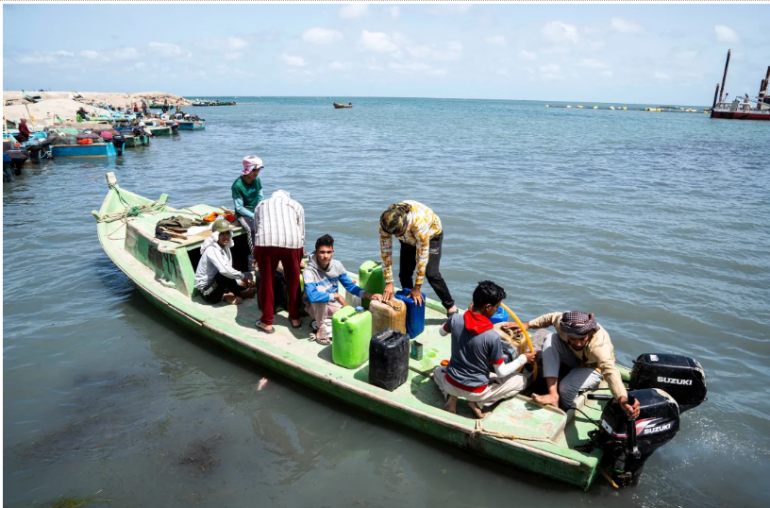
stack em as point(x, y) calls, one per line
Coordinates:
point(221, 285)
point(267, 260)
point(436, 281)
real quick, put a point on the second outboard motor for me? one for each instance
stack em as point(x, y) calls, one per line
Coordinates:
point(680, 376)
point(18, 158)
point(627, 443)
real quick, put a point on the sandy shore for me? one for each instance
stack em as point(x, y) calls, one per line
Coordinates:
point(63, 104)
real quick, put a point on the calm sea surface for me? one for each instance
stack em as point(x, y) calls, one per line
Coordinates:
point(658, 223)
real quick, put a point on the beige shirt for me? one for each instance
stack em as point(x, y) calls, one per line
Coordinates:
point(598, 352)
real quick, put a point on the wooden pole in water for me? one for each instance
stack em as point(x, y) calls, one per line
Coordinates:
point(716, 96)
point(724, 77)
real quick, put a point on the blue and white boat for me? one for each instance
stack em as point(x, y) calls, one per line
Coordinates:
point(95, 150)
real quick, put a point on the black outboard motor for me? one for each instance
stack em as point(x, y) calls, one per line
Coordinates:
point(665, 386)
point(627, 444)
point(680, 376)
point(119, 141)
point(18, 158)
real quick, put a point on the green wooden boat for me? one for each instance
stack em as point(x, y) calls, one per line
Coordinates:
point(132, 140)
point(519, 432)
point(159, 130)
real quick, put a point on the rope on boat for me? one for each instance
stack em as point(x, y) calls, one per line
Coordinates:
point(480, 430)
point(130, 211)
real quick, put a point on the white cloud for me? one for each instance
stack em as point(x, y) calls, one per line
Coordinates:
point(551, 71)
point(338, 66)
point(321, 36)
point(55, 57)
point(558, 31)
point(236, 43)
point(165, 49)
point(623, 26)
point(354, 11)
point(90, 54)
point(592, 64)
point(378, 41)
point(607, 74)
point(527, 55)
point(294, 61)
point(128, 53)
point(725, 34)
point(395, 12)
point(415, 67)
point(497, 40)
point(661, 75)
point(419, 51)
point(454, 46)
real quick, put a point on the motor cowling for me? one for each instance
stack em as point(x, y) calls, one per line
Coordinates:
point(657, 424)
point(680, 376)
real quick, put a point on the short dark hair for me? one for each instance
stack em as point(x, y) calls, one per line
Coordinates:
point(324, 241)
point(487, 292)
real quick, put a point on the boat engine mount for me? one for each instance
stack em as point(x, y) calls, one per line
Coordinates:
point(665, 386)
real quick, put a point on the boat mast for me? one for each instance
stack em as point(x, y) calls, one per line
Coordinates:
point(724, 77)
point(763, 90)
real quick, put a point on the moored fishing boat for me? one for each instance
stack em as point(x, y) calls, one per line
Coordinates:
point(518, 432)
point(189, 125)
point(92, 150)
point(133, 140)
point(339, 105)
point(159, 130)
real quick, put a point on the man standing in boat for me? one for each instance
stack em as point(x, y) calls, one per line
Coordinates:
point(215, 276)
point(247, 193)
point(583, 345)
point(418, 230)
point(280, 224)
point(322, 277)
point(476, 351)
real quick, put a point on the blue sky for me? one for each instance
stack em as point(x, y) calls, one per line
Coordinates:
point(660, 54)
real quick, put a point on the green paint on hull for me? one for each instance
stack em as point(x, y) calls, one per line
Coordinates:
point(164, 273)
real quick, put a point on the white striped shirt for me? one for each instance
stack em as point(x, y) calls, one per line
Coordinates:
point(280, 222)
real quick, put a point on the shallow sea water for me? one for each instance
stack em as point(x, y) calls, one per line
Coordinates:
point(658, 223)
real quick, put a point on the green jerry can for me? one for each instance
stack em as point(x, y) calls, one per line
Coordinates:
point(370, 278)
point(351, 332)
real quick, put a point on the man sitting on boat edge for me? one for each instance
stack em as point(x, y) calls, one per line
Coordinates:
point(215, 277)
point(322, 277)
point(476, 350)
point(584, 346)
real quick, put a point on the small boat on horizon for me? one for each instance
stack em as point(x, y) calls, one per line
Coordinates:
point(339, 105)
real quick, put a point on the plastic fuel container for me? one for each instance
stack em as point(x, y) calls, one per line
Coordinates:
point(390, 314)
point(415, 314)
point(388, 359)
point(370, 278)
point(352, 331)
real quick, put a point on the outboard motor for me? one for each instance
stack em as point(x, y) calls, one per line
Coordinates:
point(680, 376)
point(33, 150)
point(627, 443)
point(665, 386)
point(18, 158)
point(119, 141)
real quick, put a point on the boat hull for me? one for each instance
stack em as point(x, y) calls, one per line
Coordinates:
point(741, 115)
point(160, 130)
point(95, 150)
point(191, 126)
point(132, 141)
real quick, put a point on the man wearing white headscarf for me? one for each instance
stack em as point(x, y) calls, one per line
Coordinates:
point(247, 193)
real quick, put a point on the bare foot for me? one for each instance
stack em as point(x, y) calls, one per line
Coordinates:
point(451, 405)
point(547, 400)
point(232, 299)
point(477, 410)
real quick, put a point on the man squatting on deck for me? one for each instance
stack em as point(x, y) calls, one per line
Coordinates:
point(418, 230)
point(215, 276)
point(585, 347)
point(476, 349)
point(322, 278)
point(247, 193)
